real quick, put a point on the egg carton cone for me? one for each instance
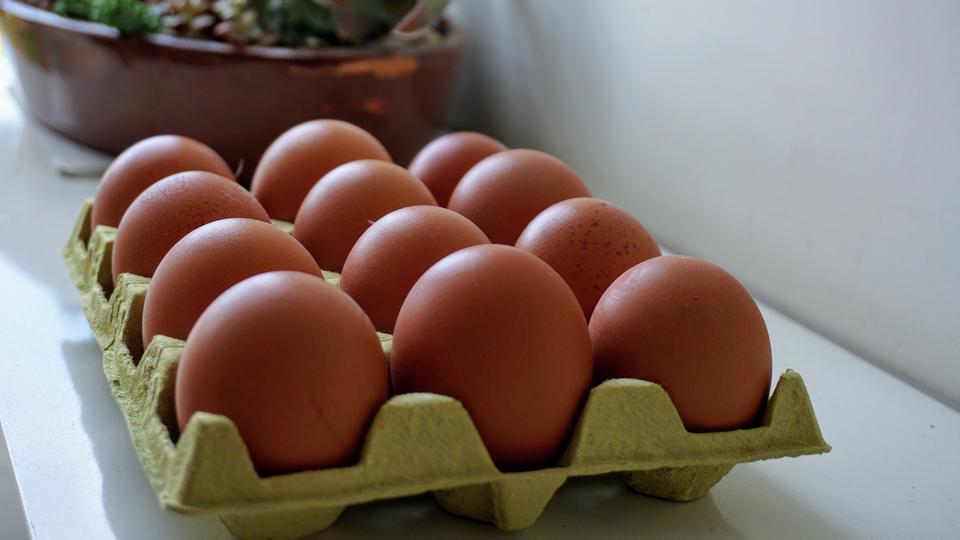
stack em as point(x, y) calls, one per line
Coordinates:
point(416, 443)
point(88, 259)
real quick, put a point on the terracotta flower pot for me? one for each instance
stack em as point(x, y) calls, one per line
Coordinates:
point(87, 82)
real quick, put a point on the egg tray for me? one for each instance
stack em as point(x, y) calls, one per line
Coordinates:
point(416, 443)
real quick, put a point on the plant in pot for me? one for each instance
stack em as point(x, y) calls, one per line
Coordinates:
point(233, 73)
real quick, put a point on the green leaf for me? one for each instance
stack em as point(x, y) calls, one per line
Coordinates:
point(297, 22)
point(78, 9)
point(129, 16)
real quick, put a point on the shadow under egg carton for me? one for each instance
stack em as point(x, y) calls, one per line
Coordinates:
point(416, 443)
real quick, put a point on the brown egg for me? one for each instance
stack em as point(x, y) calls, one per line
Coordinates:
point(301, 156)
point(145, 163)
point(209, 260)
point(396, 250)
point(589, 242)
point(443, 162)
point(341, 206)
point(296, 365)
point(499, 330)
point(505, 191)
point(692, 328)
point(166, 211)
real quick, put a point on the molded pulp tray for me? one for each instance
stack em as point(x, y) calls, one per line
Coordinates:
point(416, 443)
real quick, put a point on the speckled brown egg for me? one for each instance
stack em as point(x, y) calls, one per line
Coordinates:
point(505, 191)
point(396, 250)
point(689, 326)
point(496, 328)
point(589, 242)
point(301, 156)
point(169, 209)
point(347, 200)
point(209, 260)
point(145, 163)
point(441, 164)
point(293, 362)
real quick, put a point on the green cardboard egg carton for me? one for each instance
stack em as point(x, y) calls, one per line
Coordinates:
point(417, 443)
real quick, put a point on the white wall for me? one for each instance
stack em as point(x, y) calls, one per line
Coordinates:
point(810, 147)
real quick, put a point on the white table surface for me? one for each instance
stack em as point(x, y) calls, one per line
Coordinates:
point(893, 472)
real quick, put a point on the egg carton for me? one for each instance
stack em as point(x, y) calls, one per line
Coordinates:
point(417, 443)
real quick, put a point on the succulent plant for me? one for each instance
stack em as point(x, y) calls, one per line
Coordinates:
point(128, 16)
point(188, 18)
point(296, 23)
